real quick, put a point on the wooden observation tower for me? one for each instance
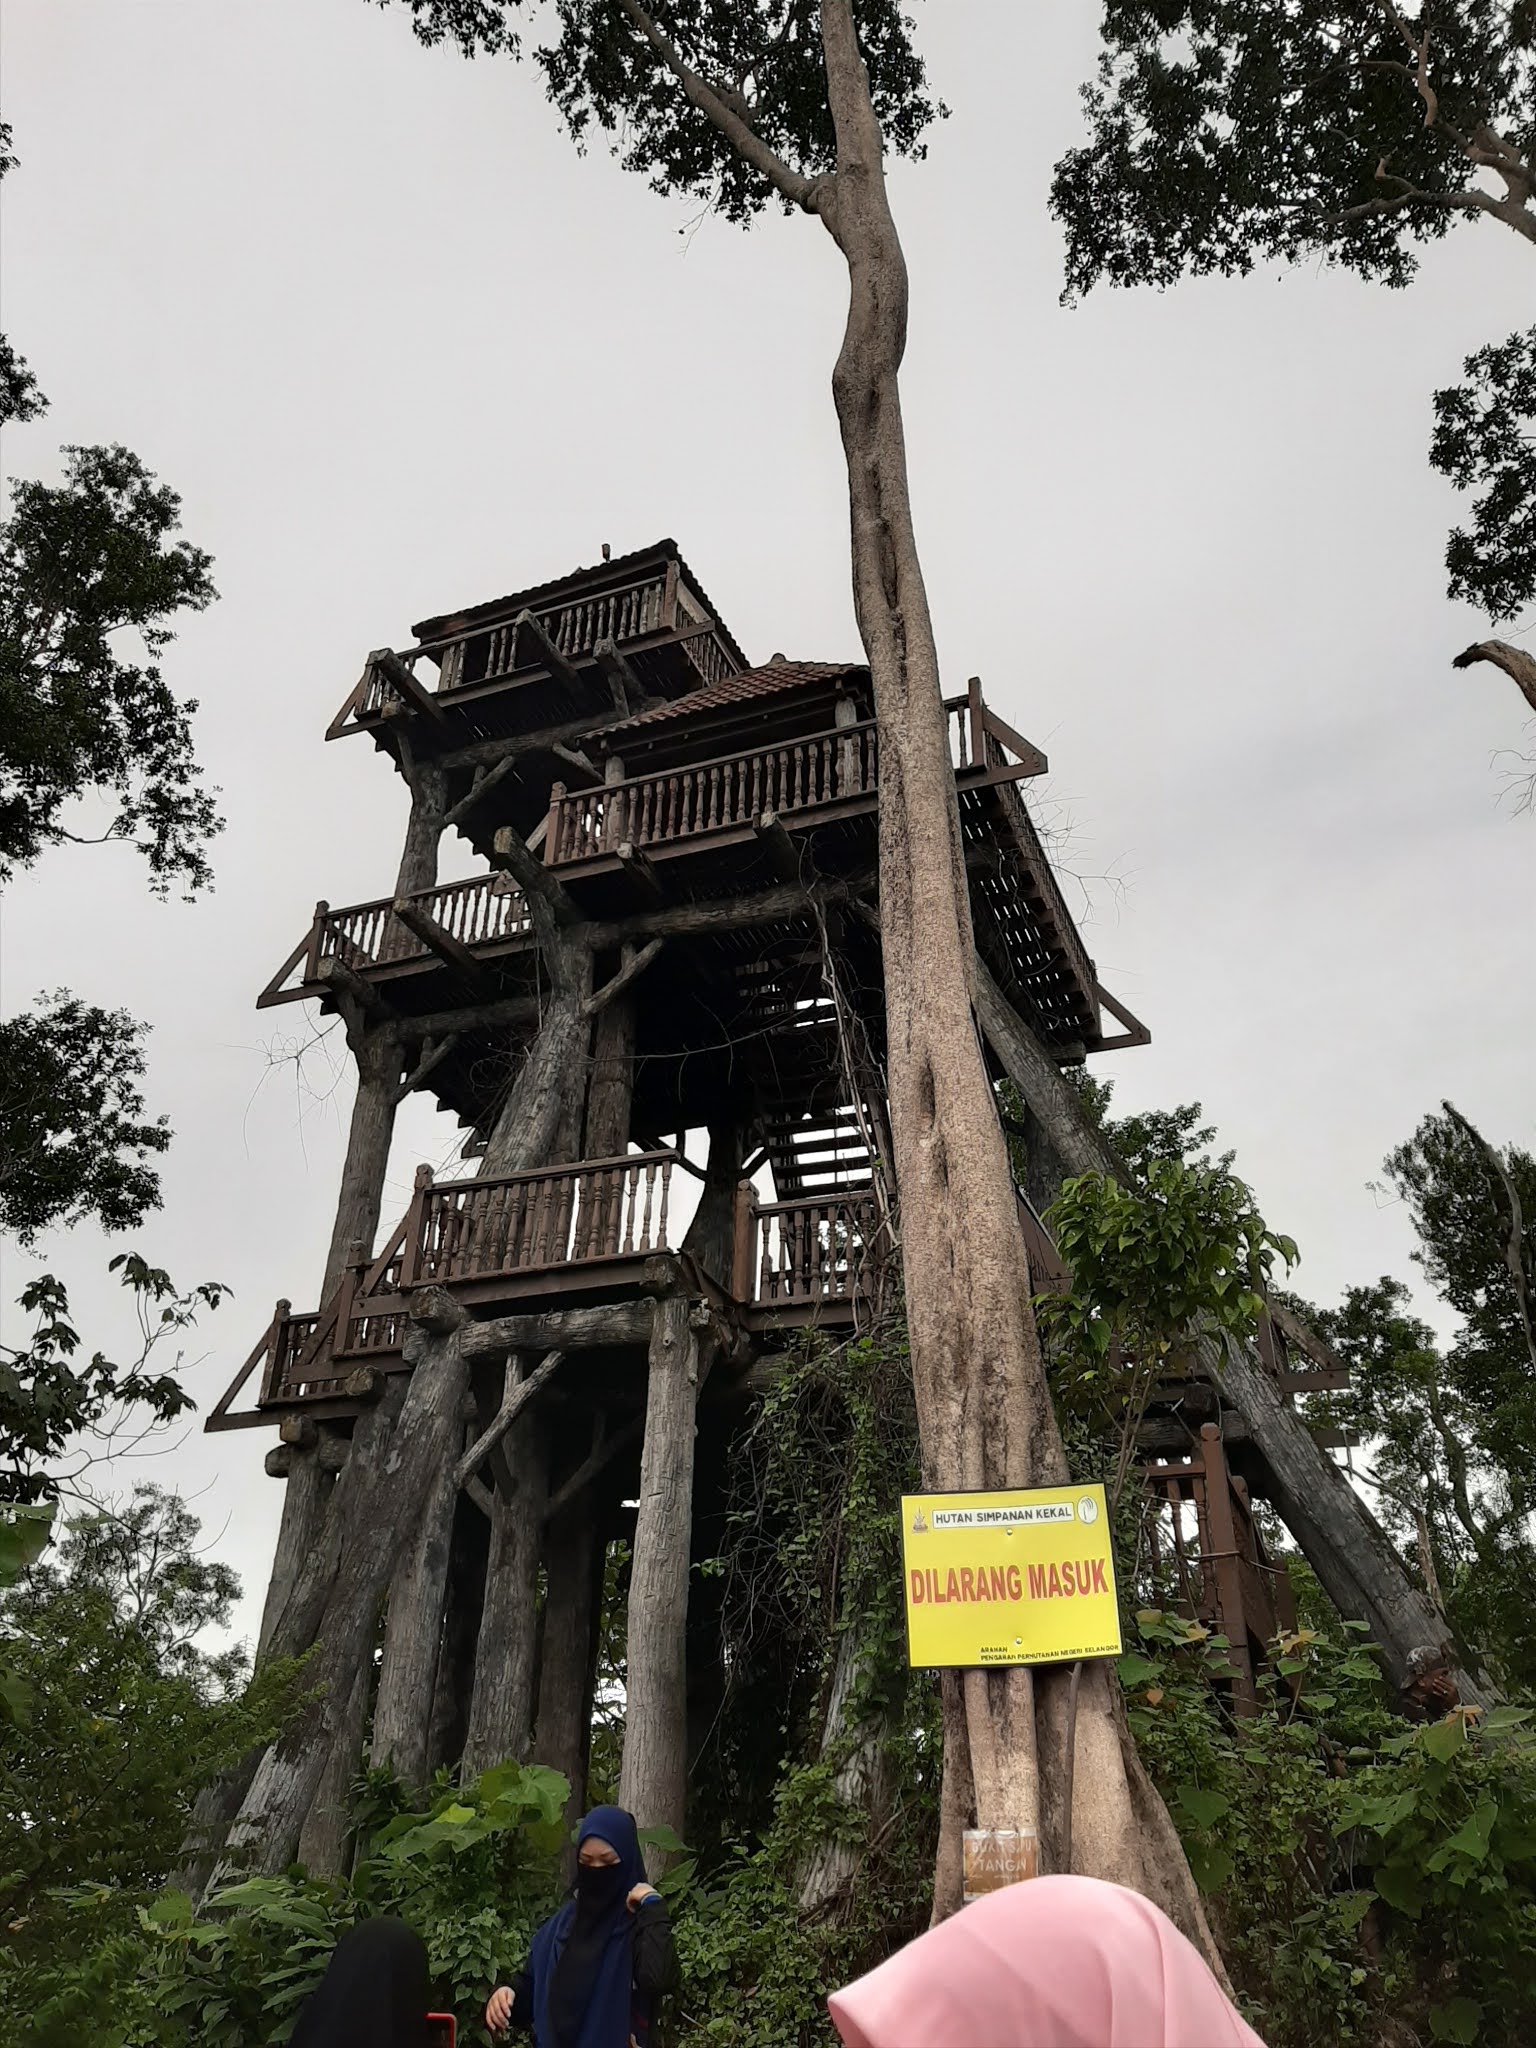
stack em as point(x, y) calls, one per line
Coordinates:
point(657, 1013)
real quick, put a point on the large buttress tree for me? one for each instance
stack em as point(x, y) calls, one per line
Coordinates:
point(739, 103)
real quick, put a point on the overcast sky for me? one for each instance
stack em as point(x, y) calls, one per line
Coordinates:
point(400, 349)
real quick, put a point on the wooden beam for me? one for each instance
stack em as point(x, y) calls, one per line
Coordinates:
point(1031, 759)
point(571, 1328)
point(482, 788)
point(1135, 1033)
point(512, 1406)
point(439, 940)
point(470, 1017)
point(624, 686)
point(727, 913)
point(433, 1053)
point(632, 969)
point(642, 868)
point(511, 853)
point(342, 980)
point(526, 627)
point(581, 761)
point(603, 1452)
point(778, 845)
point(398, 675)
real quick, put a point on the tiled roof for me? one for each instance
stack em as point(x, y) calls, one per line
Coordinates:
point(531, 599)
point(767, 681)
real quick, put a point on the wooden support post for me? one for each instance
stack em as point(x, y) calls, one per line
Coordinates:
point(573, 1567)
point(501, 1703)
point(1221, 1530)
point(429, 803)
point(653, 1775)
point(306, 1493)
point(326, 1834)
point(413, 1632)
point(712, 1236)
point(378, 1055)
point(461, 1624)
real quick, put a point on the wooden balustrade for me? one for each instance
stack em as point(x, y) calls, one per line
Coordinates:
point(482, 911)
point(735, 790)
point(815, 1250)
point(558, 1216)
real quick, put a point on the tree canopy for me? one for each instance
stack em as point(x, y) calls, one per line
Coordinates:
point(606, 69)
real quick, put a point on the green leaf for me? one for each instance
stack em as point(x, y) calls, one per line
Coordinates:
point(1136, 1670)
point(1203, 1808)
point(1471, 1838)
point(1402, 1888)
point(1503, 1718)
point(1210, 1866)
point(1446, 1739)
point(24, 1534)
point(1460, 2020)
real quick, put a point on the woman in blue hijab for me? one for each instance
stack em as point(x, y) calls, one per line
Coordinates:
point(598, 1966)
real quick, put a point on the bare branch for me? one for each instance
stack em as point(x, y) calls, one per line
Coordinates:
point(513, 1404)
point(1514, 1244)
point(1519, 666)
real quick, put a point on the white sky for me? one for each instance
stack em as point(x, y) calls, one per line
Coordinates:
point(401, 349)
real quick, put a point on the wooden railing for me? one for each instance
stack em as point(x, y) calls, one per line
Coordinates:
point(478, 912)
point(489, 653)
point(734, 790)
point(559, 1216)
point(815, 1250)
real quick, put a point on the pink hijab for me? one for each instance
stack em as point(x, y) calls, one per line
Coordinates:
point(1056, 1962)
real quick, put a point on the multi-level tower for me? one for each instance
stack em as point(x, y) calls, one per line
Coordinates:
point(658, 1014)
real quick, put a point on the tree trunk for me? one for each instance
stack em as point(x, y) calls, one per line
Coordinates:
point(862, 1783)
point(306, 1494)
point(379, 1061)
point(506, 1651)
point(568, 1666)
point(611, 1090)
point(429, 802)
point(653, 1775)
point(327, 1829)
point(711, 1236)
point(413, 1632)
point(337, 1612)
point(527, 1129)
point(984, 1408)
point(461, 1625)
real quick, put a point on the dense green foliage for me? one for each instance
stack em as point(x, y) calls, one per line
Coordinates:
point(81, 562)
point(1451, 1430)
point(73, 1135)
point(1222, 133)
point(120, 1715)
point(763, 58)
point(1485, 441)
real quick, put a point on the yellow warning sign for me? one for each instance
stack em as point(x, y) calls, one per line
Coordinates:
point(1009, 1578)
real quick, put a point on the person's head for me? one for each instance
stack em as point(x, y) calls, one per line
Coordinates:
point(608, 1860)
point(1056, 1962)
point(374, 1994)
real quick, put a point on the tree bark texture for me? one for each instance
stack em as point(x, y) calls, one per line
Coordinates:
point(711, 1235)
point(306, 1494)
point(862, 1781)
point(568, 1663)
point(376, 1049)
point(413, 1632)
point(337, 1612)
point(983, 1403)
point(461, 1625)
point(527, 1129)
point(506, 1650)
point(424, 830)
point(653, 1774)
point(325, 1838)
point(611, 1090)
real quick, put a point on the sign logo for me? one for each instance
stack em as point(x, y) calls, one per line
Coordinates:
point(1009, 1578)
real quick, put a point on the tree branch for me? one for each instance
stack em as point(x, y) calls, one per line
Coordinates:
point(1519, 666)
point(432, 1056)
point(548, 901)
point(798, 190)
point(1514, 1244)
